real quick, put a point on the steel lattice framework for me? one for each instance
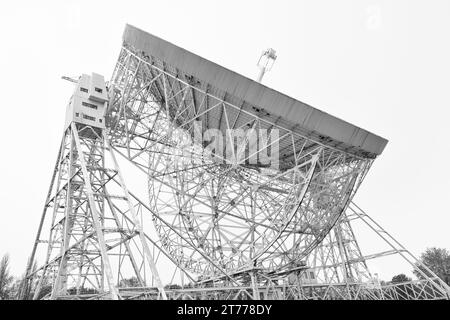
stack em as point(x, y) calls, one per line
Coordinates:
point(231, 212)
point(228, 227)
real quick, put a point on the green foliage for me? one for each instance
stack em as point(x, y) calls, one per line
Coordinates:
point(438, 261)
point(132, 282)
point(400, 278)
point(404, 291)
point(81, 290)
point(172, 286)
point(5, 279)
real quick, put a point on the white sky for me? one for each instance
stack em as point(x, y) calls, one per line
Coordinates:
point(382, 65)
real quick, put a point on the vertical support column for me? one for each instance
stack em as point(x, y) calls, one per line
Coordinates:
point(343, 257)
point(96, 217)
point(23, 289)
point(138, 226)
point(60, 284)
point(254, 286)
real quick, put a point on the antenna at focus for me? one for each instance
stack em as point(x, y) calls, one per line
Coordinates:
point(265, 62)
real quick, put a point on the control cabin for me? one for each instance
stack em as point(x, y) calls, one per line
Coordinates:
point(88, 103)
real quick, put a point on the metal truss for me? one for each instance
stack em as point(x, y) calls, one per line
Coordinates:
point(338, 259)
point(340, 273)
point(232, 212)
point(230, 221)
point(338, 262)
point(95, 239)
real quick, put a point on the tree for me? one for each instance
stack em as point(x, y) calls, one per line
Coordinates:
point(132, 282)
point(400, 278)
point(404, 291)
point(438, 261)
point(5, 278)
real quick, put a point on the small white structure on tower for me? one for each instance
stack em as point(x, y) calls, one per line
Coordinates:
point(88, 103)
point(265, 62)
